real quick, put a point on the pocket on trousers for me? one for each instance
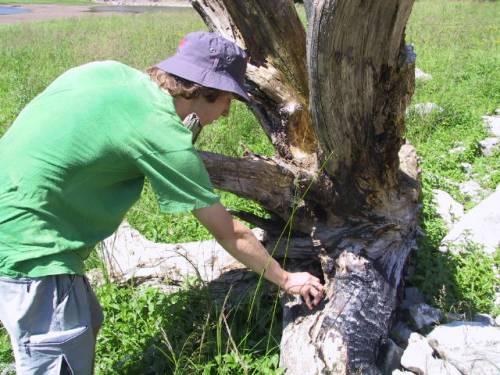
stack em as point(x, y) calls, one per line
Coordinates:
point(56, 337)
point(50, 352)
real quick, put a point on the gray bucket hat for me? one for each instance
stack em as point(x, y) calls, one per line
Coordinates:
point(211, 61)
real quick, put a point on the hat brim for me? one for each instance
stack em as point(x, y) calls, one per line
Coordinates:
point(207, 78)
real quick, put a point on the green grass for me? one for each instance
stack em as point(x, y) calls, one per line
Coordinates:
point(457, 42)
point(180, 333)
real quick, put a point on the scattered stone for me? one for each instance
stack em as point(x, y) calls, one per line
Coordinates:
point(472, 190)
point(421, 75)
point(479, 225)
point(391, 357)
point(454, 317)
point(9, 370)
point(419, 358)
point(485, 319)
point(412, 297)
point(424, 109)
point(447, 208)
point(401, 333)
point(96, 277)
point(457, 150)
point(492, 123)
point(488, 145)
point(472, 347)
point(161, 285)
point(466, 167)
point(424, 315)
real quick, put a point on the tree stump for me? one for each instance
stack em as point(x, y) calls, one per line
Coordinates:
point(343, 182)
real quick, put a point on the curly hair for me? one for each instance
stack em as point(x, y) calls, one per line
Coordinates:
point(178, 86)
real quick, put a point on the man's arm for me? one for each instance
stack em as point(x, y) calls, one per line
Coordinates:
point(241, 243)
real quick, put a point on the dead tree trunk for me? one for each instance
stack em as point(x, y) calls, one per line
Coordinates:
point(335, 114)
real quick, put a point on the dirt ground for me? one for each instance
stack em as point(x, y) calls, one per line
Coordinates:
point(41, 12)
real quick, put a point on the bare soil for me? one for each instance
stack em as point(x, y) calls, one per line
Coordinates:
point(42, 12)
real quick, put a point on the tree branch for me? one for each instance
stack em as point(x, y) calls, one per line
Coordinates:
point(255, 178)
point(277, 73)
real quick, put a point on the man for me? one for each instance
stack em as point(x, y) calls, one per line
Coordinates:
point(74, 162)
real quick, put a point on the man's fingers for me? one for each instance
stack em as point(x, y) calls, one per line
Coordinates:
point(314, 292)
point(317, 294)
point(318, 286)
point(318, 297)
point(307, 298)
point(307, 286)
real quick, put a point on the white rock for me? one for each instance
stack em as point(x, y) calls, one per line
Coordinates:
point(424, 315)
point(399, 372)
point(421, 75)
point(480, 225)
point(424, 109)
point(457, 150)
point(484, 319)
point(492, 123)
point(472, 190)
point(473, 348)
point(447, 208)
point(453, 317)
point(497, 321)
point(466, 167)
point(96, 277)
point(418, 358)
point(488, 145)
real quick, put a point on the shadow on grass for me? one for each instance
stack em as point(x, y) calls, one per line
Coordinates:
point(198, 329)
point(462, 283)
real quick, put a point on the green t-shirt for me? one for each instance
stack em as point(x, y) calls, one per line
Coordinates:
point(74, 162)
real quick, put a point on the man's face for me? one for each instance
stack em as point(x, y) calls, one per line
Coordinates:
point(209, 112)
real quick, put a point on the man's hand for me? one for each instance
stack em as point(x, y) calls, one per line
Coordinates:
point(305, 284)
point(241, 243)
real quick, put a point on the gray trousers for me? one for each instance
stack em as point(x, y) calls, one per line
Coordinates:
point(52, 322)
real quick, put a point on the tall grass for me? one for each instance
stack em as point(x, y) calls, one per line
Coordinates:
point(186, 332)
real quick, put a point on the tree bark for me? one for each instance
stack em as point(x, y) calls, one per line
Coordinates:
point(332, 101)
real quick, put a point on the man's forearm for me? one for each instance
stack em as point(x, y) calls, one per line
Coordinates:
point(248, 250)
